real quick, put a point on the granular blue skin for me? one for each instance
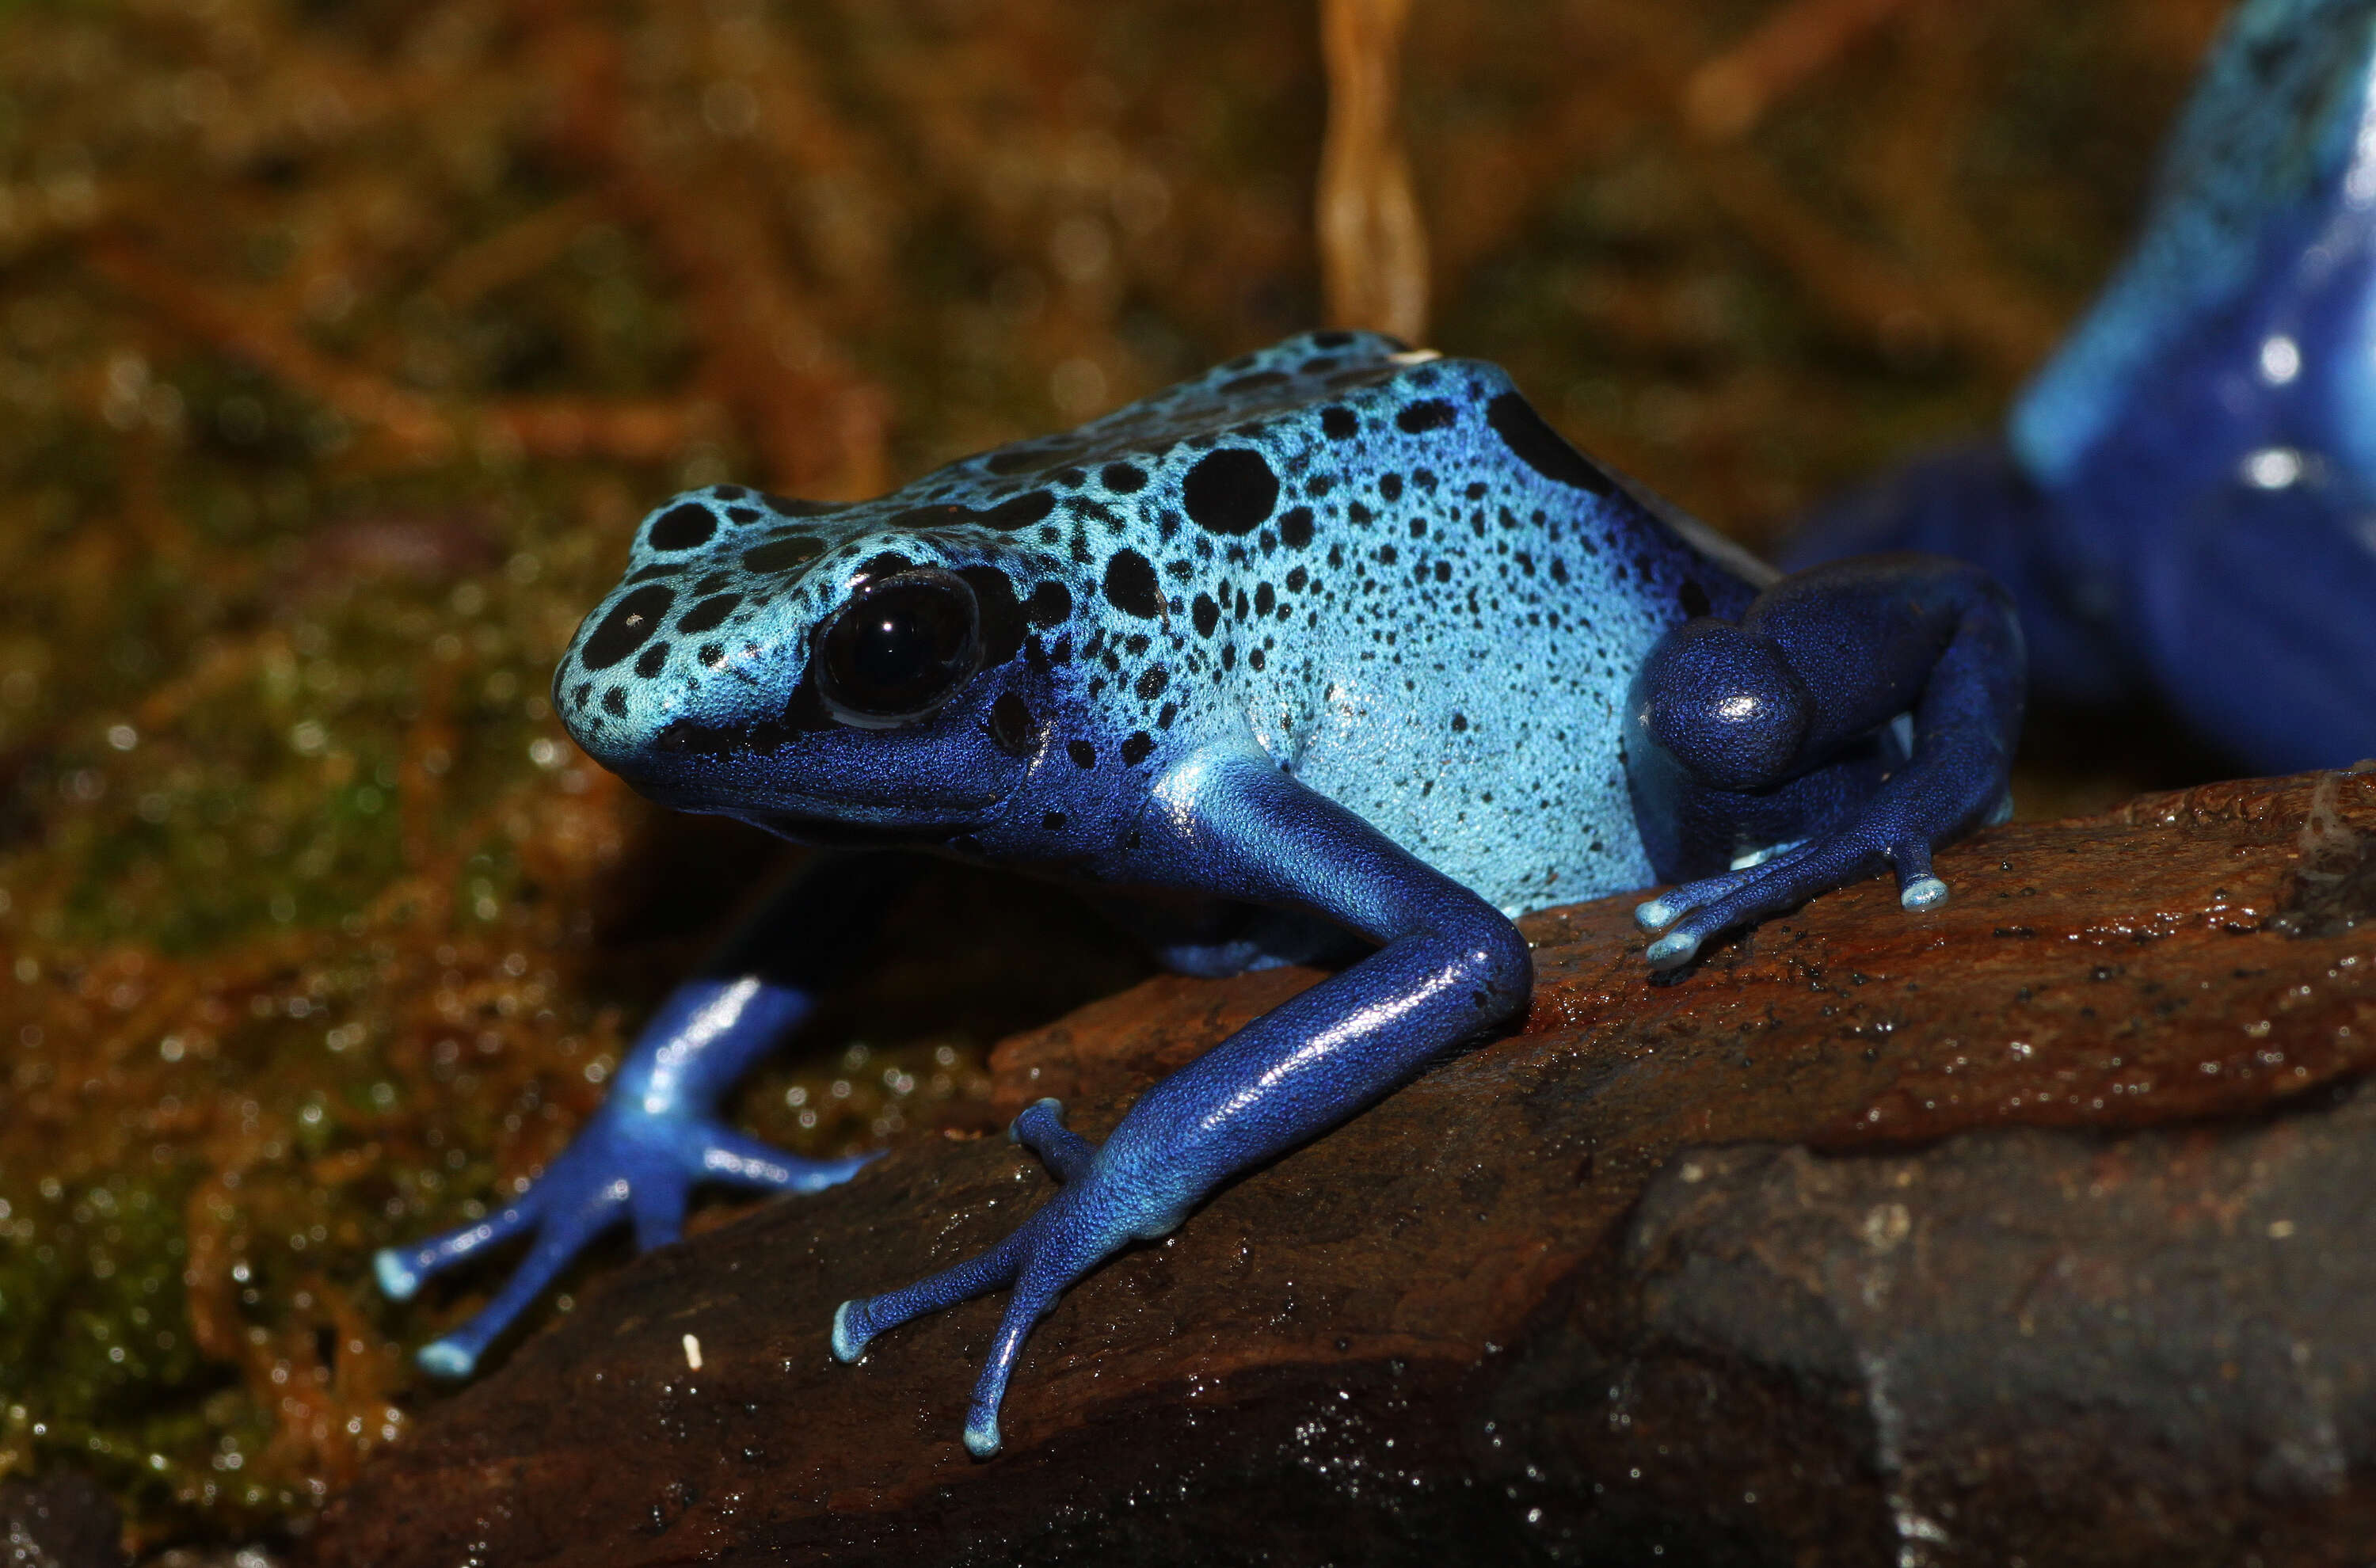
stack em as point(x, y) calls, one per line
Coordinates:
point(1336, 651)
point(2184, 503)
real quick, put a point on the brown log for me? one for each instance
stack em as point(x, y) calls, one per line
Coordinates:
point(2033, 1227)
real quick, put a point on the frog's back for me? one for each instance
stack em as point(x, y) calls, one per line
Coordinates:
point(1417, 598)
point(1383, 568)
point(1451, 654)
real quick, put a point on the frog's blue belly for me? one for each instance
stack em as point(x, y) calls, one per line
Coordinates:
point(1511, 781)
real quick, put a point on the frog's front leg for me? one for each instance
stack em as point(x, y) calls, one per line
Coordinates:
point(1447, 966)
point(1743, 724)
point(659, 1135)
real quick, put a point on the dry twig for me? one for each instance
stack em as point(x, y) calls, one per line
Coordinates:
point(1373, 246)
point(1728, 95)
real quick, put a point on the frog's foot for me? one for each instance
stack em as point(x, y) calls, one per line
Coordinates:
point(1092, 1217)
point(627, 1164)
point(1692, 913)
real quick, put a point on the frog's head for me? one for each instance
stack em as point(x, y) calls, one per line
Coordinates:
point(837, 675)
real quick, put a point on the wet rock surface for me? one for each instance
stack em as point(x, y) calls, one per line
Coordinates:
point(2036, 1228)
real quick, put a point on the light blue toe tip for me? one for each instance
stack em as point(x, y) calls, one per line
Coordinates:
point(1653, 915)
point(981, 1436)
point(1923, 893)
point(847, 1346)
point(442, 1358)
point(1051, 1106)
point(1669, 951)
point(397, 1279)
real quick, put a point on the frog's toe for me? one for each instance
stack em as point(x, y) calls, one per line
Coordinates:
point(401, 1271)
point(1035, 1297)
point(562, 1235)
point(728, 1156)
point(1670, 908)
point(1042, 1259)
point(1739, 897)
point(1923, 892)
point(856, 1322)
point(1039, 1127)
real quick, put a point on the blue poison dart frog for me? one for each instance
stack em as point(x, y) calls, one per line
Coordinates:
point(1338, 652)
point(2183, 501)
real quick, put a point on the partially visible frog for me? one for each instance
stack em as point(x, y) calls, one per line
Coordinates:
point(2184, 502)
point(1336, 652)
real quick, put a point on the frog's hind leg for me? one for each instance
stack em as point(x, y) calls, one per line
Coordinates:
point(1795, 705)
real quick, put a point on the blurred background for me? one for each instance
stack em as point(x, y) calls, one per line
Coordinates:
point(342, 342)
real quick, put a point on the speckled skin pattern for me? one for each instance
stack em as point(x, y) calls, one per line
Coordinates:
point(1237, 560)
point(1336, 649)
point(2182, 501)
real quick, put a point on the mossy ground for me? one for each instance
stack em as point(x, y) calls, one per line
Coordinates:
point(341, 344)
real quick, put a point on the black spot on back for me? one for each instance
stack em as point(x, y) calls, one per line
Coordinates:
point(783, 554)
point(1050, 604)
point(1135, 749)
point(1338, 422)
point(681, 527)
point(1083, 753)
point(627, 627)
point(1295, 527)
point(1208, 614)
point(1021, 511)
point(652, 660)
point(1121, 478)
point(614, 702)
point(1150, 684)
point(1229, 492)
point(1131, 587)
point(708, 613)
point(1541, 447)
point(1429, 413)
point(1390, 486)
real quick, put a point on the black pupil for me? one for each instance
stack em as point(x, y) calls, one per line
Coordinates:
point(899, 649)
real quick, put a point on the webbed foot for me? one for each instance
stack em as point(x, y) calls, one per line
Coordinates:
point(1097, 1213)
point(628, 1163)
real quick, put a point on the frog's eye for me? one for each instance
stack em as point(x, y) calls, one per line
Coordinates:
point(900, 649)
